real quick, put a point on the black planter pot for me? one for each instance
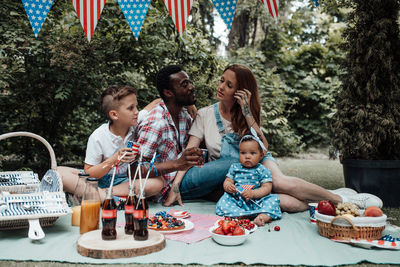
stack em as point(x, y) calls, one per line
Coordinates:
point(378, 177)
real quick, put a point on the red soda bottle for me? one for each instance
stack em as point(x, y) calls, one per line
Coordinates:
point(129, 207)
point(140, 218)
point(109, 219)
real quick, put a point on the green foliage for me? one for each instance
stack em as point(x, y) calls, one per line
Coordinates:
point(367, 122)
point(51, 85)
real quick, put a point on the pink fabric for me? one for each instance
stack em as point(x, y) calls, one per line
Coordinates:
point(202, 222)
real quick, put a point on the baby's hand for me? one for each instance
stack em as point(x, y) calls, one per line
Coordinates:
point(230, 188)
point(248, 194)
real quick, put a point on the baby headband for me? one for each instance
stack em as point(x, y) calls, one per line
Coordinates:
point(255, 137)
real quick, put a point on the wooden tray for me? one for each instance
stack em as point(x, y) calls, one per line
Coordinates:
point(125, 246)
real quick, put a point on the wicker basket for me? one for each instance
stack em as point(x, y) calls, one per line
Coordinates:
point(50, 191)
point(345, 228)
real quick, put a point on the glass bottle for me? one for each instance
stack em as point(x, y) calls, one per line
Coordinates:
point(77, 198)
point(109, 219)
point(90, 207)
point(140, 219)
point(129, 207)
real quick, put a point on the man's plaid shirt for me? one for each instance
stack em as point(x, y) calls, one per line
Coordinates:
point(157, 133)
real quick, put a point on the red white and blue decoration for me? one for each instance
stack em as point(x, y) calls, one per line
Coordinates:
point(244, 187)
point(135, 12)
point(226, 8)
point(88, 12)
point(37, 11)
point(179, 11)
point(272, 7)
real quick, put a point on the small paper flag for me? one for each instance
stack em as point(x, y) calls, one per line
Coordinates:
point(88, 12)
point(135, 12)
point(37, 11)
point(245, 187)
point(226, 8)
point(272, 7)
point(179, 11)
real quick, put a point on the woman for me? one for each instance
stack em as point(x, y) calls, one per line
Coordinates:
point(220, 127)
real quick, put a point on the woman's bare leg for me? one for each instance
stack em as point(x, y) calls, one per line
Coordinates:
point(291, 204)
point(298, 188)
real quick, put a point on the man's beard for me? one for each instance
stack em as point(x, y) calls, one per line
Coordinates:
point(185, 101)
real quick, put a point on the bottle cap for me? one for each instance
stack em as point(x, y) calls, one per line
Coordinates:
point(92, 179)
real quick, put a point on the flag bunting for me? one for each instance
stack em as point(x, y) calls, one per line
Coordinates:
point(226, 8)
point(135, 12)
point(179, 11)
point(88, 12)
point(37, 11)
point(272, 7)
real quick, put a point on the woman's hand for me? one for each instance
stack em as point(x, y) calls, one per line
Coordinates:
point(173, 196)
point(243, 98)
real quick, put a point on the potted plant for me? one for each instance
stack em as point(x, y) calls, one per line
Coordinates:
point(366, 125)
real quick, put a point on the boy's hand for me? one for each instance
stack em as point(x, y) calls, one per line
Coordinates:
point(248, 194)
point(124, 155)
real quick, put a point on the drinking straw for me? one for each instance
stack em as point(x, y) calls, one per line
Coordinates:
point(136, 172)
point(112, 182)
point(147, 176)
point(113, 175)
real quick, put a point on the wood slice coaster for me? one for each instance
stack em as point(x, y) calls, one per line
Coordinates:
point(125, 246)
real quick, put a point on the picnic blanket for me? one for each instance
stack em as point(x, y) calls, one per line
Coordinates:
point(297, 243)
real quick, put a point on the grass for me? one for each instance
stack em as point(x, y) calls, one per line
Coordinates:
point(313, 168)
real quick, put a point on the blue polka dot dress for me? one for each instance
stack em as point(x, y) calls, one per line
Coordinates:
point(234, 205)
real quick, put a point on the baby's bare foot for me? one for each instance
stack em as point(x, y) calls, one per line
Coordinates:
point(261, 219)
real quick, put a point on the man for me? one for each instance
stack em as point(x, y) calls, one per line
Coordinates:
point(165, 129)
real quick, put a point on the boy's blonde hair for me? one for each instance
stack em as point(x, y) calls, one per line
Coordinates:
point(111, 97)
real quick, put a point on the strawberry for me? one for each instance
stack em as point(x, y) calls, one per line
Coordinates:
point(229, 234)
point(232, 223)
point(219, 231)
point(225, 227)
point(238, 231)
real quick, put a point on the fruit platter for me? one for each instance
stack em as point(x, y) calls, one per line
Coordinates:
point(232, 222)
point(345, 221)
point(163, 221)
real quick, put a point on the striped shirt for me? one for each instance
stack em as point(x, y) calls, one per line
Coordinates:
point(158, 133)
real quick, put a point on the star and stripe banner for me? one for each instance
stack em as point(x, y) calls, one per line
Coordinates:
point(88, 12)
point(37, 11)
point(226, 8)
point(245, 187)
point(179, 11)
point(135, 12)
point(272, 7)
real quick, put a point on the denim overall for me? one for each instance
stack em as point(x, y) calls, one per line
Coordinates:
point(198, 182)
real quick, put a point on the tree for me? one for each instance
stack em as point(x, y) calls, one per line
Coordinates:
point(367, 122)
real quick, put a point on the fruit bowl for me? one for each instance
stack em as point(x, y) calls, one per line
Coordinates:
point(227, 240)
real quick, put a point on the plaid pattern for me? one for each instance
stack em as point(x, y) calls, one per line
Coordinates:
point(157, 133)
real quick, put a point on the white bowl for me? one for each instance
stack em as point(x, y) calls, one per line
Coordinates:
point(228, 240)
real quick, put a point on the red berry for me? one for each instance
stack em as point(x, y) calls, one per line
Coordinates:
point(277, 228)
